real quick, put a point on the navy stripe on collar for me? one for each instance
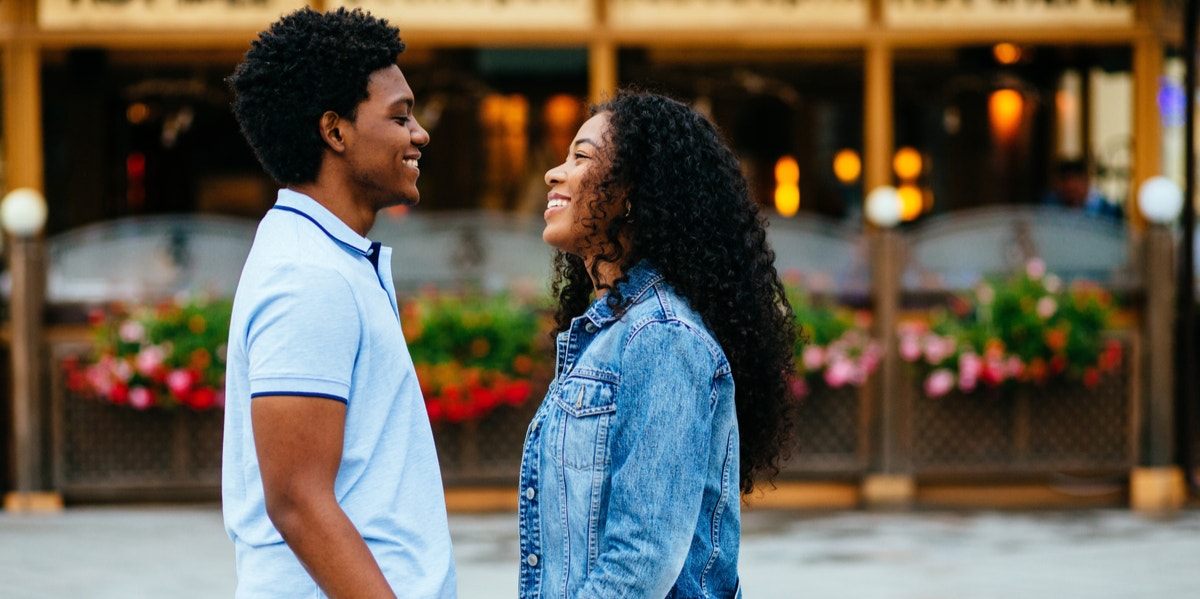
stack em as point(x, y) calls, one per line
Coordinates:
point(372, 254)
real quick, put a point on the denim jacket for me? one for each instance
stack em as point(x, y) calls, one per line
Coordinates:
point(629, 477)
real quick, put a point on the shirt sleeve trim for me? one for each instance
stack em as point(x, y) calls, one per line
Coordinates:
point(301, 394)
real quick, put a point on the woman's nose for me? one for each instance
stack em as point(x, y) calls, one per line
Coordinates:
point(555, 175)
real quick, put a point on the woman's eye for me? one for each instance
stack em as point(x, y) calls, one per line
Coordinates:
point(580, 156)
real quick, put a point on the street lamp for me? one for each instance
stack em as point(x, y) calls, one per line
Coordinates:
point(1160, 200)
point(1157, 483)
point(884, 207)
point(894, 484)
point(23, 215)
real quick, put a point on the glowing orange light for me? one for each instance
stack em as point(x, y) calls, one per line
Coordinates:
point(847, 166)
point(907, 163)
point(787, 190)
point(1006, 53)
point(910, 202)
point(562, 110)
point(1005, 110)
point(787, 170)
point(137, 113)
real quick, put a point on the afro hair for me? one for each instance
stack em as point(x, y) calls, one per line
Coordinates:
point(305, 64)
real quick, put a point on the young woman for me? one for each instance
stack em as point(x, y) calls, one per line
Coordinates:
point(669, 398)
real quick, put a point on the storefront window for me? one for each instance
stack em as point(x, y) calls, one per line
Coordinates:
point(795, 118)
point(1005, 123)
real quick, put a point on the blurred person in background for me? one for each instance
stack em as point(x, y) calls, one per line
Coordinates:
point(1072, 188)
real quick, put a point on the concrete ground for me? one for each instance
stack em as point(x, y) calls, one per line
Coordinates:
point(182, 552)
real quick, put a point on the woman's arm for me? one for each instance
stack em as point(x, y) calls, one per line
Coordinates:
point(659, 462)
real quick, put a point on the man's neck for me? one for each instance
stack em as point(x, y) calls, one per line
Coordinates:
point(359, 218)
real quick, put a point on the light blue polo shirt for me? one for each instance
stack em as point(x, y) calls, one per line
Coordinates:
point(315, 315)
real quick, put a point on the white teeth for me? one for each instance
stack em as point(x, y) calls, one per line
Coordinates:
point(410, 162)
point(556, 203)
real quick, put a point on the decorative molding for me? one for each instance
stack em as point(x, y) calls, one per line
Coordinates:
point(157, 14)
point(1002, 13)
point(738, 14)
point(478, 14)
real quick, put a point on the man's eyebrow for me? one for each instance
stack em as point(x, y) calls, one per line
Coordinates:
point(406, 101)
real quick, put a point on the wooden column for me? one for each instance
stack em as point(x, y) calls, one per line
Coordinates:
point(891, 483)
point(1156, 485)
point(602, 70)
point(1147, 126)
point(878, 137)
point(23, 150)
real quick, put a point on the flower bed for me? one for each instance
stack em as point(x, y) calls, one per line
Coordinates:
point(834, 356)
point(167, 355)
point(1021, 376)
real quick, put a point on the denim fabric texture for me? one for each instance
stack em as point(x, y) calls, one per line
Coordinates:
point(629, 476)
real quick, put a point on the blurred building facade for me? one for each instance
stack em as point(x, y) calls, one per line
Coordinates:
point(118, 108)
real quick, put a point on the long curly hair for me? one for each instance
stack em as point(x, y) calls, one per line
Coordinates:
point(673, 193)
point(304, 64)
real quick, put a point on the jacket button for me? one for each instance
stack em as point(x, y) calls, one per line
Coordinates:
point(530, 493)
point(590, 327)
point(532, 560)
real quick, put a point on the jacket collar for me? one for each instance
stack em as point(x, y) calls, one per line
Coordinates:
point(640, 279)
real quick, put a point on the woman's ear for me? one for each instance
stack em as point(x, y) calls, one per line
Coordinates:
point(330, 121)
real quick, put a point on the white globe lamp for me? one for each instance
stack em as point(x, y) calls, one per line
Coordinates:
point(23, 212)
point(1160, 200)
point(884, 207)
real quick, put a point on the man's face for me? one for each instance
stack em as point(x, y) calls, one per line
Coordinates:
point(384, 141)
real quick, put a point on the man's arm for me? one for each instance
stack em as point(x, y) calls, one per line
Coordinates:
point(299, 445)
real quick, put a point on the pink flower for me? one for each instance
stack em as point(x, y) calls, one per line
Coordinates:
point(179, 382)
point(1035, 268)
point(1046, 307)
point(939, 382)
point(938, 348)
point(132, 331)
point(969, 366)
point(910, 348)
point(150, 359)
point(813, 357)
point(967, 384)
point(140, 397)
point(838, 373)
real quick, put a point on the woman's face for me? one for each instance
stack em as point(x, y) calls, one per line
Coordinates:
point(569, 201)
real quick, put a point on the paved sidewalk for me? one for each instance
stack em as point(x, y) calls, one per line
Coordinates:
point(182, 552)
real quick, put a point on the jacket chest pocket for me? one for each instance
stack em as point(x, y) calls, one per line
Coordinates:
point(586, 407)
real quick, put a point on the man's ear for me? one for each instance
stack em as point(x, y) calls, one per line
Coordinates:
point(330, 121)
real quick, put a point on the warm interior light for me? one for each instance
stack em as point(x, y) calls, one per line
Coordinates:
point(907, 163)
point(910, 202)
point(787, 200)
point(137, 113)
point(787, 170)
point(1006, 53)
point(847, 166)
point(1005, 110)
point(787, 189)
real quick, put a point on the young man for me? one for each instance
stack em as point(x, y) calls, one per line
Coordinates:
point(330, 482)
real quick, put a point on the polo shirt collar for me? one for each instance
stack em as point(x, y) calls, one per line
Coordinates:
point(296, 202)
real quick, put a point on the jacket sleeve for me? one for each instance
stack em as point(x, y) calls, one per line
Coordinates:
point(660, 444)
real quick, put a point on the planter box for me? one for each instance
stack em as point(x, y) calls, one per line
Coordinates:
point(485, 451)
point(1062, 427)
point(830, 433)
point(107, 452)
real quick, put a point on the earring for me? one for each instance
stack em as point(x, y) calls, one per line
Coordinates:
point(628, 210)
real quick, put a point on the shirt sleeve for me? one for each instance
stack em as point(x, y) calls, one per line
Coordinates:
point(659, 455)
point(303, 336)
